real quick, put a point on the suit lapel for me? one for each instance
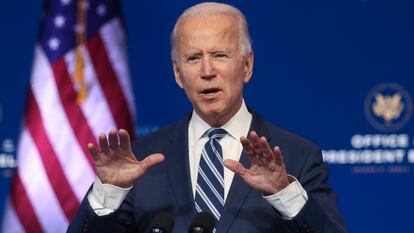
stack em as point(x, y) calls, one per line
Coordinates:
point(178, 171)
point(239, 189)
point(238, 193)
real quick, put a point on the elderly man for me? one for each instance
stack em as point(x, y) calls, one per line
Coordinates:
point(222, 158)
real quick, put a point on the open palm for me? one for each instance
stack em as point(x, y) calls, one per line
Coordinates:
point(114, 161)
point(267, 173)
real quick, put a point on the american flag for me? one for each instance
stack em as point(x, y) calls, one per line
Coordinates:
point(79, 87)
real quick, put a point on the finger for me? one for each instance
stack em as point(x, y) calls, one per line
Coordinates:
point(255, 142)
point(103, 143)
point(266, 150)
point(235, 167)
point(124, 139)
point(151, 160)
point(247, 145)
point(113, 139)
point(278, 156)
point(92, 150)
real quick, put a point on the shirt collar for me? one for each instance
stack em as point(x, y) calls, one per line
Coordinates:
point(236, 126)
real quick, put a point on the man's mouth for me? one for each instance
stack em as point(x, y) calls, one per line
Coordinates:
point(210, 91)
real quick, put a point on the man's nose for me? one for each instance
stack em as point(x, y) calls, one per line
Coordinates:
point(207, 68)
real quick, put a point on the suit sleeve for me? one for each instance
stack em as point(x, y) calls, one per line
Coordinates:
point(121, 220)
point(320, 213)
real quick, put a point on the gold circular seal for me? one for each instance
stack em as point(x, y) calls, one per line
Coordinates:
point(388, 107)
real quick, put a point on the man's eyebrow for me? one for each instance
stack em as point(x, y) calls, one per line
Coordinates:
point(220, 50)
point(195, 53)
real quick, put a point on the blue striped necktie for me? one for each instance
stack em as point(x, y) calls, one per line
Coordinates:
point(210, 180)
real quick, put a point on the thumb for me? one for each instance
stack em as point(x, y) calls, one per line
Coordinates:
point(235, 167)
point(151, 160)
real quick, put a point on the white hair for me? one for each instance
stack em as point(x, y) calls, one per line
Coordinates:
point(214, 8)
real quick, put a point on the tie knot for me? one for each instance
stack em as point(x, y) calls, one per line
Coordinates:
point(216, 133)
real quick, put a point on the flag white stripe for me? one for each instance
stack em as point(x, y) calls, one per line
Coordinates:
point(11, 222)
point(94, 108)
point(113, 35)
point(74, 163)
point(39, 191)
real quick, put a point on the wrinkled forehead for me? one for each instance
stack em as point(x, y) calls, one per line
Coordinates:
point(219, 26)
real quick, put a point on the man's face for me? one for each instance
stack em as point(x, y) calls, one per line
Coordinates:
point(210, 68)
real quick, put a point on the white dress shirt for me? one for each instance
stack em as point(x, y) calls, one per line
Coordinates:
point(106, 198)
point(232, 148)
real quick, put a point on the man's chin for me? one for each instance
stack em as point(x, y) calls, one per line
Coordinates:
point(212, 110)
point(215, 117)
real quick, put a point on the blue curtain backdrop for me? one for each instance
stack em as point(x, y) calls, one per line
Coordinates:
point(340, 73)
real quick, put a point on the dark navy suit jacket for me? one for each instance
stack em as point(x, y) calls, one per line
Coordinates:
point(167, 187)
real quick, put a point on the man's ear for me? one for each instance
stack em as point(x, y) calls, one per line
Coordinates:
point(248, 67)
point(177, 74)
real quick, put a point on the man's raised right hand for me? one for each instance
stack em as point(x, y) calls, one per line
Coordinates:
point(114, 161)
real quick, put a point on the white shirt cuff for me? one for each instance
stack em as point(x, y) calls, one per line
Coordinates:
point(106, 198)
point(290, 200)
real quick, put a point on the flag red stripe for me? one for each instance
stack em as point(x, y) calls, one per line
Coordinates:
point(23, 206)
point(76, 118)
point(53, 168)
point(114, 95)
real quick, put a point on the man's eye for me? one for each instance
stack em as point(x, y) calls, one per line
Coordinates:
point(221, 55)
point(192, 59)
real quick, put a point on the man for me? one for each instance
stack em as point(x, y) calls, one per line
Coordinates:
point(198, 157)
